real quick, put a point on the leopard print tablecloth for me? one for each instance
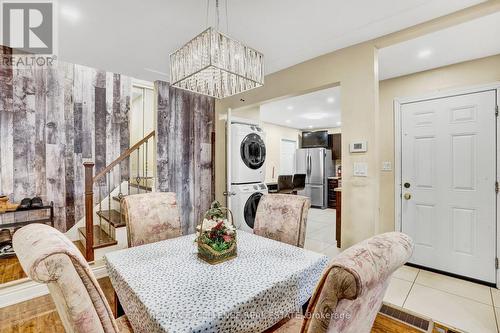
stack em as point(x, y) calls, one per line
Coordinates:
point(164, 287)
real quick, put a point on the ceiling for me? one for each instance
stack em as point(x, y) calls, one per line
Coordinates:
point(136, 37)
point(471, 40)
point(319, 109)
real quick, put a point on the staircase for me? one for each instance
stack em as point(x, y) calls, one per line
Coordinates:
point(128, 174)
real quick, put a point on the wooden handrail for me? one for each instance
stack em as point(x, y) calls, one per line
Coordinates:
point(89, 211)
point(123, 156)
point(89, 193)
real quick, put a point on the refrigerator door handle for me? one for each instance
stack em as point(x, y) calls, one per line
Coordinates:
point(308, 165)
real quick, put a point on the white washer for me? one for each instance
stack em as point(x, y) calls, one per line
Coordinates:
point(245, 201)
point(248, 154)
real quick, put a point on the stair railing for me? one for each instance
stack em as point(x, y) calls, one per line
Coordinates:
point(104, 179)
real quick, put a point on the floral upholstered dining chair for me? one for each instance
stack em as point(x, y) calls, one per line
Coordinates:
point(350, 292)
point(49, 257)
point(151, 217)
point(282, 217)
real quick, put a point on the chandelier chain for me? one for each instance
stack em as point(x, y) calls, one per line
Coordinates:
point(208, 9)
point(217, 12)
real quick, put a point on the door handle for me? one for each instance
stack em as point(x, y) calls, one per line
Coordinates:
point(228, 194)
point(407, 196)
point(309, 165)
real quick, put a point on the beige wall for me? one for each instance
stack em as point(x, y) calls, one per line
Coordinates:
point(355, 69)
point(481, 71)
point(273, 136)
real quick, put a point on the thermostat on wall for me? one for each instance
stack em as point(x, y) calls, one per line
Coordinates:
point(357, 147)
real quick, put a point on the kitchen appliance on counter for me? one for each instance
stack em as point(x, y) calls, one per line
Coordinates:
point(316, 164)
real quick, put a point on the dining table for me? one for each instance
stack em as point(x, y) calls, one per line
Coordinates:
point(165, 287)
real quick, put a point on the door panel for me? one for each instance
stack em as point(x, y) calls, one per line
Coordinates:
point(317, 164)
point(448, 158)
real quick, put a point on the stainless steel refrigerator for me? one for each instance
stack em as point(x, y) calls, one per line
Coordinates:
point(316, 164)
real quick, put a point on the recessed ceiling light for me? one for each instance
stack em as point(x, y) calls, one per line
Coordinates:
point(315, 115)
point(330, 100)
point(70, 13)
point(424, 53)
point(310, 126)
point(290, 107)
point(288, 121)
point(339, 123)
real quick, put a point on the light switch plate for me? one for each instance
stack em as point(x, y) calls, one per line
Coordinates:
point(386, 166)
point(360, 169)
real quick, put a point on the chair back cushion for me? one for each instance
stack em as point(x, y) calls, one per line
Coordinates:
point(299, 181)
point(282, 217)
point(350, 292)
point(285, 183)
point(49, 257)
point(151, 217)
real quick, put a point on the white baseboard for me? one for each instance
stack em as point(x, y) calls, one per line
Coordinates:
point(27, 290)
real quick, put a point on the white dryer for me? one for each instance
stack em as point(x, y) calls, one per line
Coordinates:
point(245, 199)
point(248, 153)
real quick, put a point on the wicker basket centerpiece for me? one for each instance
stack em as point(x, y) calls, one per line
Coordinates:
point(216, 235)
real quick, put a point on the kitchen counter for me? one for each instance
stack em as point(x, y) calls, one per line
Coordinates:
point(337, 178)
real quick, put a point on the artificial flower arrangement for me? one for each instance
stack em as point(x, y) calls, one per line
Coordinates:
point(216, 235)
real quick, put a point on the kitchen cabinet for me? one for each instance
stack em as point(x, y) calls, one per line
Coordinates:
point(333, 183)
point(335, 144)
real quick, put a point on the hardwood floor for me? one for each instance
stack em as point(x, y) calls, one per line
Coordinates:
point(10, 270)
point(40, 315)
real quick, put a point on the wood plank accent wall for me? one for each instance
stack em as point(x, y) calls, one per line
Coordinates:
point(184, 150)
point(52, 119)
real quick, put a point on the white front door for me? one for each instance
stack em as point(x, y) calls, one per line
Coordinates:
point(448, 175)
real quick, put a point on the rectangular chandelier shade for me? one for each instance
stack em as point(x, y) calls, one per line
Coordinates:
point(216, 65)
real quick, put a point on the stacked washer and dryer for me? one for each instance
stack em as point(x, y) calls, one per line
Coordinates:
point(248, 153)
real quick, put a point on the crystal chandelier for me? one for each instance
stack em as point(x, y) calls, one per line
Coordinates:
point(216, 65)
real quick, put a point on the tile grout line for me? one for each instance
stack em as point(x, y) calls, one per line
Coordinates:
point(454, 294)
point(409, 291)
point(494, 311)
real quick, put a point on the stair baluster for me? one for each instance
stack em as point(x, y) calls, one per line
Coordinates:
point(113, 217)
point(99, 185)
point(138, 179)
point(109, 202)
point(145, 167)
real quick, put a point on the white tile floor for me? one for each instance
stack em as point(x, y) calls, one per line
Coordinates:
point(461, 304)
point(320, 232)
point(464, 305)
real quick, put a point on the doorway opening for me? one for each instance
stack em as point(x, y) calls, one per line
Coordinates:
point(301, 138)
point(141, 123)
